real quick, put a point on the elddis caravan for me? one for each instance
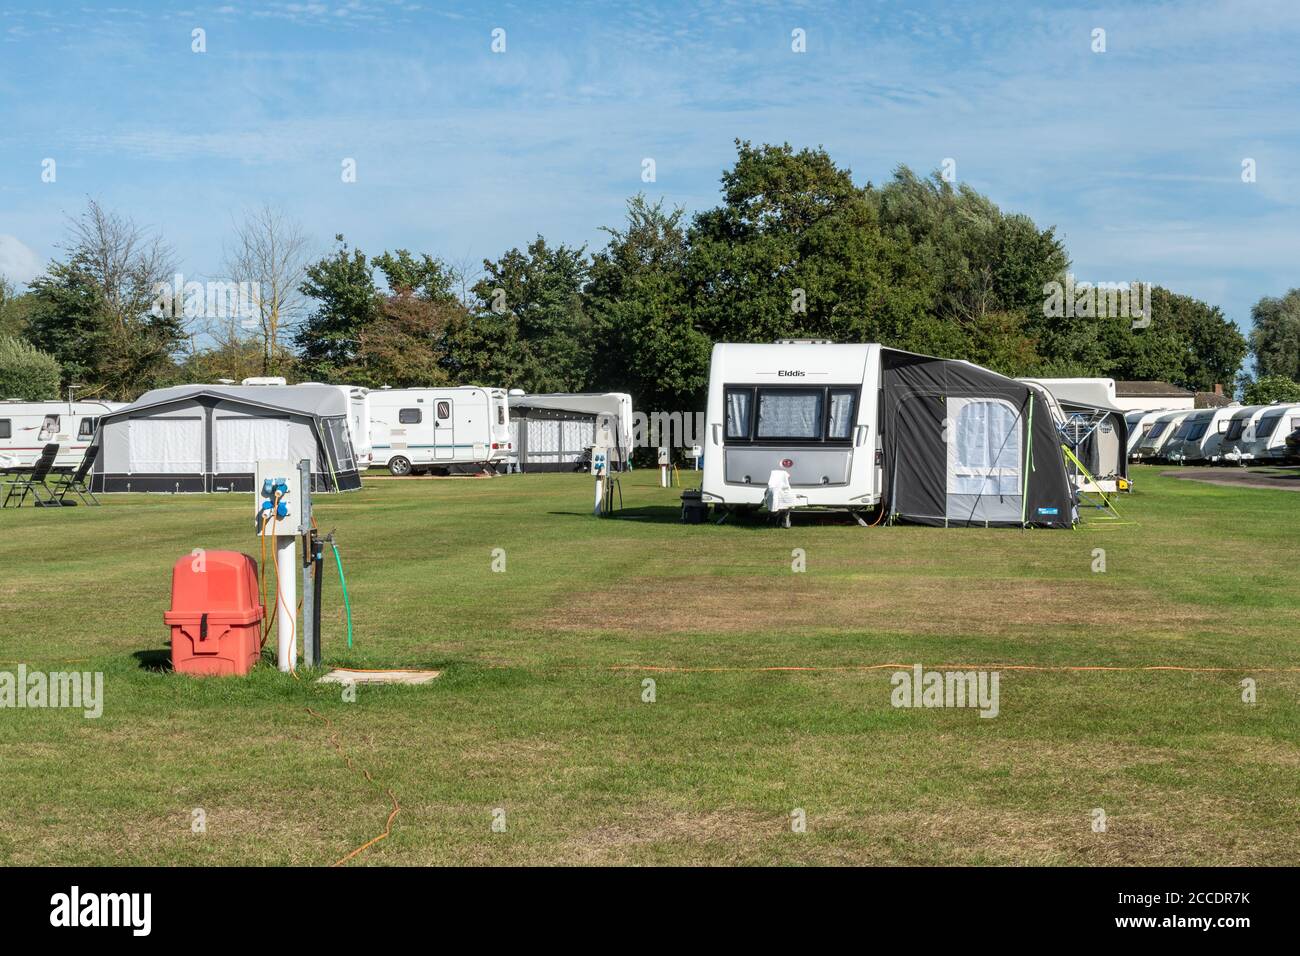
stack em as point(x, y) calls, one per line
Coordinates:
point(422, 429)
point(933, 441)
point(27, 427)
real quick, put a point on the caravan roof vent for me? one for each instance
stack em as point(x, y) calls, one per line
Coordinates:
point(265, 380)
point(804, 342)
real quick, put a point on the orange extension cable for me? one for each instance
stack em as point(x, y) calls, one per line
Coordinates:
point(397, 807)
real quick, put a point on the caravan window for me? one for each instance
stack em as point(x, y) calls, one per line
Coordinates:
point(790, 413)
point(1266, 425)
point(444, 410)
point(86, 430)
point(839, 427)
point(1197, 431)
point(1157, 429)
point(1235, 429)
point(48, 428)
point(501, 414)
point(739, 401)
point(983, 447)
point(409, 416)
point(6, 428)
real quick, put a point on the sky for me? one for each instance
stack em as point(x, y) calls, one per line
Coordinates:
point(1134, 154)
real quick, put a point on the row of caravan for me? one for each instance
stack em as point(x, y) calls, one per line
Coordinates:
point(209, 437)
point(1236, 434)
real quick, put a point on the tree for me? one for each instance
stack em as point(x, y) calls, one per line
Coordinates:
point(426, 278)
point(1275, 337)
point(404, 346)
point(106, 313)
point(540, 288)
point(646, 339)
point(268, 257)
point(13, 309)
point(1268, 389)
point(26, 372)
point(343, 286)
point(797, 249)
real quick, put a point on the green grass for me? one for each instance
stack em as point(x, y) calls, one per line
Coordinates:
point(539, 708)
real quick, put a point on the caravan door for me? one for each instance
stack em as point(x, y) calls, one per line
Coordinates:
point(444, 430)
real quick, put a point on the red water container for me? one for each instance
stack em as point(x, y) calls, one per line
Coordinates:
point(216, 618)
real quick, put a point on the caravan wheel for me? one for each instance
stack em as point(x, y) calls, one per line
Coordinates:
point(399, 466)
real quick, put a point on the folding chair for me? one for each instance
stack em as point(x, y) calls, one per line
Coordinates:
point(34, 481)
point(75, 481)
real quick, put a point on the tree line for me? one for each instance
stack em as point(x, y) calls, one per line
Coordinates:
point(794, 249)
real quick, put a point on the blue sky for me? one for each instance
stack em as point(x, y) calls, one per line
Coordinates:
point(1134, 154)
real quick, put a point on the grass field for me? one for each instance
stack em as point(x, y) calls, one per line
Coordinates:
point(539, 710)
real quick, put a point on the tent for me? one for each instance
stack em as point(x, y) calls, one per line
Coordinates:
point(555, 432)
point(199, 438)
point(963, 445)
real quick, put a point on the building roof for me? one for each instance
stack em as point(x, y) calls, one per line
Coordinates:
point(1213, 400)
point(1149, 390)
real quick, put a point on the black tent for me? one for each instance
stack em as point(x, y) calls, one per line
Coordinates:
point(965, 446)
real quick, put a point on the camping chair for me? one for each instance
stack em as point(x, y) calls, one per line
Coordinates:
point(75, 481)
point(34, 481)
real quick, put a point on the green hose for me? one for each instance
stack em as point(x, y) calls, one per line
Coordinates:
point(343, 582)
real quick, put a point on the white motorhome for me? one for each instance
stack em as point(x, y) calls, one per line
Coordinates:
point(1197, 439)
point(420, 429)
point(1162, 430)
point(1265, 441)
point(27, 427)
point(358, 413)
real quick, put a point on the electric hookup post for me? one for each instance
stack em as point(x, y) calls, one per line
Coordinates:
point(282, 510)
point(663, 466)
point(697, 452)
point(599, 465)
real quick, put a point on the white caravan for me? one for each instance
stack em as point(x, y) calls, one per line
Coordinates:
point(804, 408)
point(358, 414)
point(419, 429)
point(1197, 438)
point(1152, 445)
point(1140, 422)
point(27, 427)
point(1266, 442)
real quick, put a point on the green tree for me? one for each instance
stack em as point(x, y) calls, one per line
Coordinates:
point(1271, 388)
point(343, 286)
point(647, 342)
point(796, 250)
point(1275, 336)
point(425, 277)
point(541, 289)
point(13, 309)
point(102, 312)
point(26, 372)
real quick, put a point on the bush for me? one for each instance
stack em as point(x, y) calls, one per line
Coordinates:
point(1271, 388)
point(26, 372)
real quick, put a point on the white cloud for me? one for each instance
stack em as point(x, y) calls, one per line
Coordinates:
point(18, 263)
